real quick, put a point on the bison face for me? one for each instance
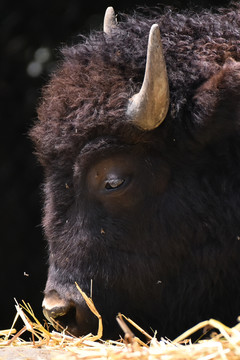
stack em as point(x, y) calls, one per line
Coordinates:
point(101, 225)
point(145, 218)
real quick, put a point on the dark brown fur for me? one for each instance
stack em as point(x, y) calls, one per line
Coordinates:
point(164, 251)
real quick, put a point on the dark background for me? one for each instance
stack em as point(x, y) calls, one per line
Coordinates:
point(31, 33)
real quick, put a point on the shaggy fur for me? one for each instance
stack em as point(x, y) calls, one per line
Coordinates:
point(168, 253)
point(97, 76)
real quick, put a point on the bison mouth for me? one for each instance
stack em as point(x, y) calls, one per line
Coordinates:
point(75, 318)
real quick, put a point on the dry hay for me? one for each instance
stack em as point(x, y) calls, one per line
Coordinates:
point(61, 345)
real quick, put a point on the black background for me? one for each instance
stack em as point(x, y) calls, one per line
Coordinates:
point(26, 27)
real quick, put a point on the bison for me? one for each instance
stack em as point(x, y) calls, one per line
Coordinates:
point(139, 137)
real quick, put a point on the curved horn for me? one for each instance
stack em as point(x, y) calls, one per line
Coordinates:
point(109, 20)
point(148, 108)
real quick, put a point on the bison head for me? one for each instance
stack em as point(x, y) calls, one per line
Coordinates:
point(143, 217)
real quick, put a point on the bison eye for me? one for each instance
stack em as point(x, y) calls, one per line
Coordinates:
point(112, 184)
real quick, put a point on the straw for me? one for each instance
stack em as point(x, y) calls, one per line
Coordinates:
point(223, 346)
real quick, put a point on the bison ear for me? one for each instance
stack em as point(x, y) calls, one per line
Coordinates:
point(216, 110)
point(148, 108)
point(110, 20)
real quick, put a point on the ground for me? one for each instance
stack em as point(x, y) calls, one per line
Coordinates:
point(29, 353)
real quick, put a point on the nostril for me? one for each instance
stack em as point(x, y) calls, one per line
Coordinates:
point(76, 318)
point(55, 308)
point(53, 313)
point(65, 317)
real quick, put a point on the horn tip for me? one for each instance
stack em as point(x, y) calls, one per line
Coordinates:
point(110, 12)
point(154, 31)
point(110, 8)
point(109, 20)
point(154, 26)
